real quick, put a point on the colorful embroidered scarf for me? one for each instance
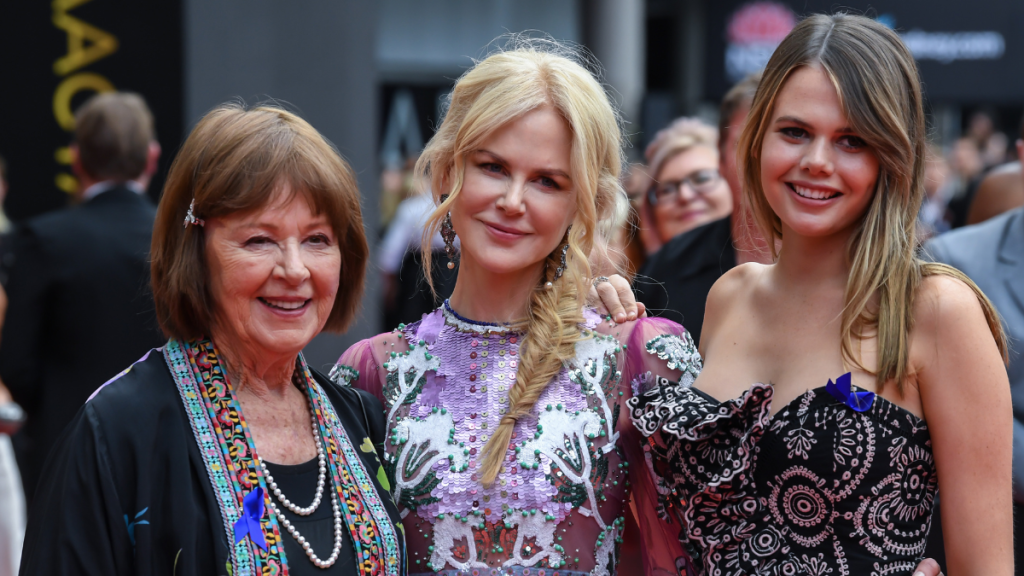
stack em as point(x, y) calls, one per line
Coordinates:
point(232, 464)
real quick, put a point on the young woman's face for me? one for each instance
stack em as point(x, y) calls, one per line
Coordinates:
point(818, 175)
point(689, 192)
point(518, 197)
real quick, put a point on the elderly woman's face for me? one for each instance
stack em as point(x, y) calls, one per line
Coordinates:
point(274, 274)
point(689, 192)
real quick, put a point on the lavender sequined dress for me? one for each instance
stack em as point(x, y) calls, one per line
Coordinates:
point(558, 505)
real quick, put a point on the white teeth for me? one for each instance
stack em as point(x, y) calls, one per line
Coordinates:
point(285, 305)
point(813, 194)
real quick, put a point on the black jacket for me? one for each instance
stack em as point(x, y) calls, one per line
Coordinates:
point(126, 491)
point(79, 311)
point(675, 281)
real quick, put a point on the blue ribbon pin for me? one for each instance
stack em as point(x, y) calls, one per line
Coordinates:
point(249, 523)
point(841, 390)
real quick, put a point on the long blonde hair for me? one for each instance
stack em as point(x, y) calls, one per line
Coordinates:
point(528, 74)
point(880, 91)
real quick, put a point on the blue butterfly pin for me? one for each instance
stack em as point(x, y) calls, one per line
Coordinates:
point(841, 390)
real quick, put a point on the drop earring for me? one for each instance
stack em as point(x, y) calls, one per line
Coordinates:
point(561, 266)
point(448, 234)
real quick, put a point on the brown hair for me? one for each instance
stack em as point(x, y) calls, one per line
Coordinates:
point(739, 96)
point(531, 73)
point(113, 132)
point(234, 161)
point(879, 89)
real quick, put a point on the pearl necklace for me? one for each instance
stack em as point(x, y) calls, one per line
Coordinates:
point(320, 483)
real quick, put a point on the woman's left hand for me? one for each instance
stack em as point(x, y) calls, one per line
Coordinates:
point(613, 296)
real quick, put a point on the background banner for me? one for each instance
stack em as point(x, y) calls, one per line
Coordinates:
point(56, 55)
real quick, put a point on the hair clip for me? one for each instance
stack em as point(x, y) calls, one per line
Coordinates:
point(190, 217)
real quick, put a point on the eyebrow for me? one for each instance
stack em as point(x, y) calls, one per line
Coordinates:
point(802, 124)
point(542, 171)
point(274, 227)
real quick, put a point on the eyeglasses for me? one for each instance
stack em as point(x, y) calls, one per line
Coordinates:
point(701, 182)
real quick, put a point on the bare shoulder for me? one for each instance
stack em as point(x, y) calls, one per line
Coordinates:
point(943, 302)
point(733, 287)
point(735, 282)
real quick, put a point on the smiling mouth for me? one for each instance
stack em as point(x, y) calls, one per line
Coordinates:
point(812, 194)
point(283, 305)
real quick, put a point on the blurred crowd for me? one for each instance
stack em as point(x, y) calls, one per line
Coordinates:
point(78, 276)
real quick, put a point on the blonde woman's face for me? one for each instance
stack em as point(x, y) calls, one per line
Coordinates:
point(818, 174)
point(689, 192)
point(518, 197)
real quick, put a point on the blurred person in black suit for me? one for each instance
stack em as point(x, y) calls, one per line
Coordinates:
point(80, 308)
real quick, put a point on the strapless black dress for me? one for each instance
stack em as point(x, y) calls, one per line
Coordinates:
point(821, 488)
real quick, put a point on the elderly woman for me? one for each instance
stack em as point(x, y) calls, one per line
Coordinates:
point(223, 452)
point(687, 189)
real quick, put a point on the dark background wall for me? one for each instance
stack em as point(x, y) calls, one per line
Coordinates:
point(55, 56)
point(315, 57)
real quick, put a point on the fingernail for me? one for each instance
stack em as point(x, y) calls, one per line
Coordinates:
point(918, 573)
point(632, 315)
point(620, 317)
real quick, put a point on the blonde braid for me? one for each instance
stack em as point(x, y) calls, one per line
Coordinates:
point(552, 330)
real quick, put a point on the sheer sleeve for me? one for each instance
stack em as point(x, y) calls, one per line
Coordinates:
point(362, 365)
point(655, 351)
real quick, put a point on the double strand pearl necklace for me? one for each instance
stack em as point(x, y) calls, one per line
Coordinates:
point(320, 483)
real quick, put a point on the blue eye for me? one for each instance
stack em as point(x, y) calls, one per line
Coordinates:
point(548, 183)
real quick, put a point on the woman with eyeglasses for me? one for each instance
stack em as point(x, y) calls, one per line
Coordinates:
point(683, 212)
point(687, 190)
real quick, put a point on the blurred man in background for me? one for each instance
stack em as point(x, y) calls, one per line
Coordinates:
point(1002, 189)
point(992, 255)
point(80, 310)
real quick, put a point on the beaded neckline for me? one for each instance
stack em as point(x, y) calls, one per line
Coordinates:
point(452, 318)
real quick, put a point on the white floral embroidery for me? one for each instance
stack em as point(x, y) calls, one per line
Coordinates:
point(593, 362)
point(533, 525)
point(426, 442)
point(408, 370)
point(681, 353)
point(604, 550)
point(448, 531)
point(343, 375)
point(564, 442)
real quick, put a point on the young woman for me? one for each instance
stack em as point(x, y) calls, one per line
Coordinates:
point(509, 447)
point(802, 473)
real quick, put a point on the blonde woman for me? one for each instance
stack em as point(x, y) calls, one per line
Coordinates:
point(805, 473)
point(508, 444)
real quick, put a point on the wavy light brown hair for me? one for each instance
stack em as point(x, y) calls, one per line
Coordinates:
point(878, 85)
point(236, 161)
point(529, 74)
